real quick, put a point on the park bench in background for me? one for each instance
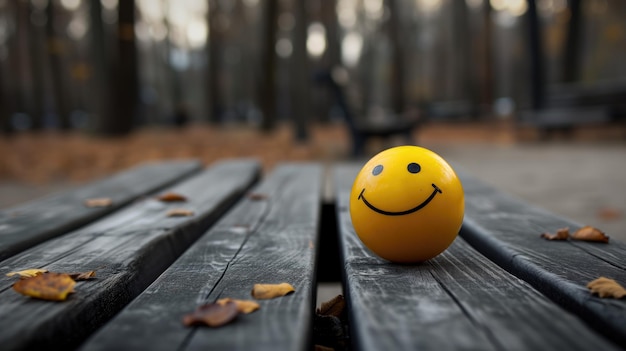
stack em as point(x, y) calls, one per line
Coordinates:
point(499, 286)
point(362, 129)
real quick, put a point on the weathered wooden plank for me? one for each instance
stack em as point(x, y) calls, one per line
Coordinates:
point(507, 230)
point(129, 249)
point(458, 300)
point(267, 238)
point(32, 223)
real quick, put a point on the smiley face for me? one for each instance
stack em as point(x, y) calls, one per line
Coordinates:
point(407, 204)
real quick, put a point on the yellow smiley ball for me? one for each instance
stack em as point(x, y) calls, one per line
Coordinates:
point(407, 204)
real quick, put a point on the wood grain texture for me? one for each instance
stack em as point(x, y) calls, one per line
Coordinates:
point(128, 249)
point(34, 222)
point(457, 301)
point(507, 231)
point(269, 237)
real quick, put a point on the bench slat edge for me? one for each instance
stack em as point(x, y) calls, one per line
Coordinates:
point(39, 220)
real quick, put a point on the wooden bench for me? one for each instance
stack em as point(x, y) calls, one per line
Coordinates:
point(362, 129)
point(499, 286)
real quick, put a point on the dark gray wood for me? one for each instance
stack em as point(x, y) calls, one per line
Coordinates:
point(458, 300)
point(34, 222)
point(268, 238)
point(507, 230)
point(129, 249)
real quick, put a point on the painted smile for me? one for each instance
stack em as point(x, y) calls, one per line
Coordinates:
point(414, 209)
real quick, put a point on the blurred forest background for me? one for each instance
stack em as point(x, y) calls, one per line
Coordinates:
point(111, 67)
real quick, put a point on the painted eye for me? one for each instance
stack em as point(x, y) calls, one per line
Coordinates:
point(414, 167)
point(377, 170)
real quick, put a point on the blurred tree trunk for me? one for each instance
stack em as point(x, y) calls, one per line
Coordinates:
point(101, 99)
point(394, 30)
point(215, 51)
point(127, 78)
point(301, 106)
point(486, 90)
point(35, 41)
point(462, 55)
point(536, 57)
point(571, 54)
point(331, 58)
point(267, 84)
point(56, 54)
point(116, 80)
point(333, 47)
point(5, 109)
point(179, 112)
point(8, 72)
point(5, 122)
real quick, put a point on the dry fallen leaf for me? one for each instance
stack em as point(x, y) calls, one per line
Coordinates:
point(561, 234)
point(589, 233)
point(605, 287)
point(270, 291)
point(333, 307)
point(179, 212)
point(243, 306)
point(609, 213)
point(212, 315)
point(82, 275)
point(99, 202)
point(47, 286)
point(257, 196)
point(28, 273)
point(172, 197)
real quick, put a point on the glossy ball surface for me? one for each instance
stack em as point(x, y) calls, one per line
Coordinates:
point(407, 204)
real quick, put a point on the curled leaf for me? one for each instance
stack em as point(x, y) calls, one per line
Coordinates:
point(47, 286)
point(82, 275)
point(172, 197)
point(605, 287)
point(179, 212)
point(28, 273)
point(212, 315)
point(243, 306)
point(333, 307)
point(99, 202)
point(561, 234)
point(589, 233)
point(270, 291)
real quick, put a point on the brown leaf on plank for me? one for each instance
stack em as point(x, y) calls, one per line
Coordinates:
point(172, 197)
point(605, 287)
point(257, 196)
point(99, 202)
point(333, 307)
point(82, 275)
point(589, 233)
point(212, 315)
point(243, 306)
point(561, 234)
point(180, 212)
point(270, 291)
point(609, 213)
point(27, 273)
point(47, 286)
